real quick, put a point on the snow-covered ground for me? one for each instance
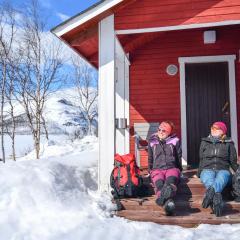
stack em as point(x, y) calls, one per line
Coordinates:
point(56, 198)
point(24, 144)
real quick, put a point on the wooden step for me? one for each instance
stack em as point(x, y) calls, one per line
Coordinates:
point(189, 212)
point(181, 203)
point(184, 219)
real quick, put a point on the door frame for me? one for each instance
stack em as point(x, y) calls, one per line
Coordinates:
point(230, 59)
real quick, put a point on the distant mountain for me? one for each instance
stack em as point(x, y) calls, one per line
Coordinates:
point(62, 114)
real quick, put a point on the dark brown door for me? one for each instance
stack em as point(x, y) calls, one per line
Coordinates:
point(207, 101)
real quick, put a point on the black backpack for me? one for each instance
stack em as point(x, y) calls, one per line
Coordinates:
point(236, 185)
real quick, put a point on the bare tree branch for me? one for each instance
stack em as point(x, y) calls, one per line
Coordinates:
point(7, 35)
point(87, 93)
point(38, 72)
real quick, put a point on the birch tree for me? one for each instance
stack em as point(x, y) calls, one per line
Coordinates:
point(10, 98)
point(38, 71)
point(7, 35)
point(85, 83)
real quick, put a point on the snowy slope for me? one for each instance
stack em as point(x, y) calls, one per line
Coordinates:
point(61, 112)
point(62, 108)
point(56, 198)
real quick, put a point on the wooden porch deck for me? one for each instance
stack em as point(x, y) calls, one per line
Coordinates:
point(189, 212)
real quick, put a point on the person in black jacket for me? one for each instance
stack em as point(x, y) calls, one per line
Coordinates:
point(217, 154)
point(164, 163)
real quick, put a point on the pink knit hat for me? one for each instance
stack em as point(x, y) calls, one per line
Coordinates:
point(221, 125)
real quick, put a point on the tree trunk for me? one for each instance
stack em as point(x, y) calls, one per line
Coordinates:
point(13, 132)
point(3, 149)
point(36, 145)
point(37, 149)
point(2, 106)
point(38, 136)
point(45, 127)
point(89, 125)
point(13, 147)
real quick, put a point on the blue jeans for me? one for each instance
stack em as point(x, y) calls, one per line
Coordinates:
point(218, 179)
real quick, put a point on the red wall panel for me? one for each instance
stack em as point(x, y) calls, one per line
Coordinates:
point(154, 95)
point(152, 13)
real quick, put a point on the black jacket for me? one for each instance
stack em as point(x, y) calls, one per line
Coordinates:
point(217, 154)
point(164, 154)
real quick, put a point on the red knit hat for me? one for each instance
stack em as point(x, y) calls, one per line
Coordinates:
point(221, 125)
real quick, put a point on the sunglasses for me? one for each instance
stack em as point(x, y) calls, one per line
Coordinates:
point(162, 130)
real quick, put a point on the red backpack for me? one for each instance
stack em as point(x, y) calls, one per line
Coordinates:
point(125, 178)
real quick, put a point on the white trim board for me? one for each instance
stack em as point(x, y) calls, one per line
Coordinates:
point(232, 94)
point(106, 102)
point(122, 97)
point(84, 17)
point(127, 104)
point(126, 54)
point(177, 27)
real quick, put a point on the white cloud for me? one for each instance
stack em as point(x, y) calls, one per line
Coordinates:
point(62, 16)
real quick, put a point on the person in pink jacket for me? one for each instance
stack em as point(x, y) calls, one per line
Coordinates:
point(164, 163)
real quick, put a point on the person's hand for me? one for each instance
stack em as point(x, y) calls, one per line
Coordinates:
point(182, 176)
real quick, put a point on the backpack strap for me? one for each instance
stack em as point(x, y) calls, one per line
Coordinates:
point(114, 192)
point(129, 181)
point(118, 165)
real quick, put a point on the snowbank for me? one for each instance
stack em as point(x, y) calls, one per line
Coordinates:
point(24, 144)
point(55, 198)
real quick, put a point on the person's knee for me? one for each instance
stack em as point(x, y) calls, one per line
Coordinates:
point(224, 176)
point(207, 179)
point(204, 178)
point(225, 173)
point(207, 176)
point(159, 184)
point(172, 180)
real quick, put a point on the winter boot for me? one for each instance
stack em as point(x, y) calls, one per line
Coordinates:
point(237, 199)
point(218, 204)
point(166, 193)
point(169, 207)
point(208, 197)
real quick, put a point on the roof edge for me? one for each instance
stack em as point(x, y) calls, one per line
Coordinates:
point(84, 16)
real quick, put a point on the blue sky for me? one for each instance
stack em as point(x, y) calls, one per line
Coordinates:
point(59, 10)
point(56, 12)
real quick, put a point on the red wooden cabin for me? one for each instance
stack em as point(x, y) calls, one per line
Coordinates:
point(175, 60)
